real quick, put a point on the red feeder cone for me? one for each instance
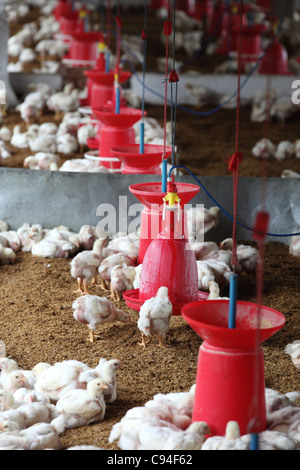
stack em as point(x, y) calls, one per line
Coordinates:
point(150, 195)
point(250, 43)
point(63, 7)
point(171, 263)
point(275, 61)
point(83, 50)
point(116, 130)
point(70, 23)
point(230, 381)
point(200, 9)
point(135, 162)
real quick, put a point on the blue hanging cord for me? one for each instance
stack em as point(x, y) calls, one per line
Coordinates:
point(223, 210)
point(230, 98)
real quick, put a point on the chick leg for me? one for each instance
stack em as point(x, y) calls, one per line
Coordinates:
point(160, 340)
point(91, 335)
point(80, 284)
point(143, 343)
point(102, 284)
point(85, 286)
point(112, 294)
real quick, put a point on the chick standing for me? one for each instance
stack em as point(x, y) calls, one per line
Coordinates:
point(155, 315)
point(84, 267)
point(93, 311)
point(293, 349)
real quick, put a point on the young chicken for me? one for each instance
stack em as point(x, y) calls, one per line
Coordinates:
point(247, 256)
point(108, 264)
point(81, 407)
point(93, 311)
point(84, 267)
point(294, 247)
point(7, 255)
point(155, 315)
point(107, 370)
point(121, 280)
point(63, 376)
point(293, 349)
point(87, 236)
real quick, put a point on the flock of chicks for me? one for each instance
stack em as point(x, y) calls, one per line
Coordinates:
point(38, 405)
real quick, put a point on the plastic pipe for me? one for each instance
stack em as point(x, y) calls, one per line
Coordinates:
point(164, 175)
point(232, 300)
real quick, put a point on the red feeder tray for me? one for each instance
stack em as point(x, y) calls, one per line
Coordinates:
point(135, 162)
point(83, 50)
point(250, 42)
point(133, 301)
point(116, 130)
point(230, 381)
point(151, 196)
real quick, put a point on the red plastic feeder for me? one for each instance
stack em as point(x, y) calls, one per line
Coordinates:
point(102, 86)
point(230, 22)
point(230, 382)
point(250, 43)
point(151, 196)
point(63, 7)
point(135, 162)
point(83, 50)
point(71, 23)
point(171, 263)
point(275, 61)
point(200, 9)
point(116, 131)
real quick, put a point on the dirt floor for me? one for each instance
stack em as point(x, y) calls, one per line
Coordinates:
point(36, 322)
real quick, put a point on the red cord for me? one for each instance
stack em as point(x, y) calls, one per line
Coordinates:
point(167, 32)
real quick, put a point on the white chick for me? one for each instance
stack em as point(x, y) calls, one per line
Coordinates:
point(109, 262)
point(127, 244)
point(7, 400)
point(19, 139)
point(264, 148)
point(202, 249)
point(41, 436)
point(284, 150)
point(201, 220)
point(205, 275)
point(9, 426)
point(66, 144)
point(214, 291)
point(15, 380)
point(93, 311)
point(47, 128)
point(231, 440)
point(54, 381)
point(5, 134)
point(283, 108)
point(7, 365)
point(276, 400)
point(29, 414)
point(202, 95)
point(87, 237)
point(53, 247)
point(83, 165)
point(83, 133)
point(27, 55)
point(272, 440)
point(248, 256)
point(293, 349)
point(42, 161)
point(4, 227)
point(294, 246)
point(4, 151)
point(84, 267)
point(137, 278)
point(81, 407)
point(43, 143)
point(7, 255)
point(155, 315)
point(289, 174)
point(107, 370)
point(12, 239)
point(122, 278)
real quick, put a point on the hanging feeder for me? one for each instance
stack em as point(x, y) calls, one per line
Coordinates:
point(83, 50)
point(63, 7)
point(231, 19)
point(230, 375)
point(201, 10)
point(70, 23)
point(116, 130)
point(169, 260)
point(275, 61)
point(251, 43)
point(135, 162)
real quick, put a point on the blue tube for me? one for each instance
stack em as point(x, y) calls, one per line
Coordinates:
point(107, 66)
point(232, 300)
point(254, 442)
point(164, 175)
point(142, 137)
point(118, 100)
